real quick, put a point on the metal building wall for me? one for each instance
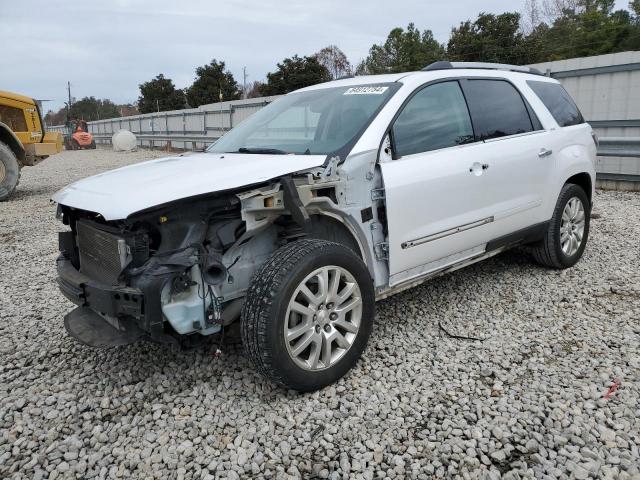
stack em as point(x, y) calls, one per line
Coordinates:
point(607, 90)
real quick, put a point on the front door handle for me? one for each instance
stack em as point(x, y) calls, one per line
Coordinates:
point(544, 152)
point(477, 168)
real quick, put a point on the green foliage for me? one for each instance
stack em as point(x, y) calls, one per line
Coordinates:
point(160, 94)
point(593, 28)
point(404, 50)
point(91, 108)
point(88, 108)
point(294, 73)
point(575, 28)
point(490, 38)
point(212, 84)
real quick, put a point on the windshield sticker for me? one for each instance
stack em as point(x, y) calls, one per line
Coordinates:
point(366, 91)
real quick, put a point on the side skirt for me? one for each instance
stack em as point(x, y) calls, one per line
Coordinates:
point(494, 247)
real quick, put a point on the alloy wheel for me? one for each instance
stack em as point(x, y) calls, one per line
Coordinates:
point(572, 226)
point(323, 318)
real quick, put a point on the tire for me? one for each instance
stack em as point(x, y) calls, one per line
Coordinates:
point(267, 313)
point(75, 145)
point(552, 251)
point(93, 145)
point(9, 171)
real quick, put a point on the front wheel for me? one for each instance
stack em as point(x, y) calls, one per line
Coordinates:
point(568, 231)
point(308, 314)
point(9, 171)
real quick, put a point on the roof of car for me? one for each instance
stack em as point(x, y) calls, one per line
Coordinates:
point(435, 70)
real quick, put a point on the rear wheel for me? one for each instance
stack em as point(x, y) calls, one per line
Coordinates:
point(308, 314)
point(9, 171)
point(93, 145)
point(74, 144)
point(568, 231)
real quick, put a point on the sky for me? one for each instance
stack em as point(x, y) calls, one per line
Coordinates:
point(107, 48)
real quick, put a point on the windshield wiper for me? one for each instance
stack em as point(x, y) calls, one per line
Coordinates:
point(259, 150)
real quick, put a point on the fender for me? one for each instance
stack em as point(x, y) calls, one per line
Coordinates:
point(7, 136)
point(571, 160)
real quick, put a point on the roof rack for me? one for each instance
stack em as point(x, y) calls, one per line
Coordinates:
point(444, 65)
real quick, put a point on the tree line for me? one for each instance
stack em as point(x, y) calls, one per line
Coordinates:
point(547, 30)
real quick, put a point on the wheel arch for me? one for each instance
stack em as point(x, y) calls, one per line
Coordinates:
point(325, 226)
point(584, 181)
point(9, 138)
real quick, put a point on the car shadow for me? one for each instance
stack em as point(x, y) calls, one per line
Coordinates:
point(213, 367)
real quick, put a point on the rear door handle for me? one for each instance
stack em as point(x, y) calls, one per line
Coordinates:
point(544, 152)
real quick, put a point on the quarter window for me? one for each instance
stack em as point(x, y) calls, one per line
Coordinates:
point(497, 109)
point(558, 102)
point(435, 117)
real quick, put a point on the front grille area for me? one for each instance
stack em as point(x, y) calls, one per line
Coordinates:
point(102, 254)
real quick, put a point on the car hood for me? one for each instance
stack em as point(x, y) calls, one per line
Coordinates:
point(119, 193)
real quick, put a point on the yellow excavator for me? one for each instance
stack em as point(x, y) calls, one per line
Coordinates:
point(23, 141)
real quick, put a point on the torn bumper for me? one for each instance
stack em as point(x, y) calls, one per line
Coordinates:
point(89, 328)
point(107, 315)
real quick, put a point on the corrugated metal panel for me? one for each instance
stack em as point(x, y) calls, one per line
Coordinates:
point(607, 90)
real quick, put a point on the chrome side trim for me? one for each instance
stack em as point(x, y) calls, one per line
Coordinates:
point(446, 233)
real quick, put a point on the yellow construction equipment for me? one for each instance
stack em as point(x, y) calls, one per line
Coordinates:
point(23, 140)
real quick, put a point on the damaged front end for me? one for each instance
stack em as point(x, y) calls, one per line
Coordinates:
point(157, 275)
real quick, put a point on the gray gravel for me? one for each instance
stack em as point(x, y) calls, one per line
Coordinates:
point(527, 402)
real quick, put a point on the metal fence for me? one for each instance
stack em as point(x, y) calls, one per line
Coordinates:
point(189, 129)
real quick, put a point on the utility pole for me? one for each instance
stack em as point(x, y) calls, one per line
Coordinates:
point(244, 82)
point(69, 104)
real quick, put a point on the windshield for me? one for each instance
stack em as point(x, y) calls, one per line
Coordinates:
point(316, 122)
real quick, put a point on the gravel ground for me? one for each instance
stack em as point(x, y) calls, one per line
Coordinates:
point(527, 402)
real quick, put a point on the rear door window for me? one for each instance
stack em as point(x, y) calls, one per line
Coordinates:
point(558, 102)
point(497, 109)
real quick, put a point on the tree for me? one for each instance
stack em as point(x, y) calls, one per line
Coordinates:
point(212, 84)
point(590, 27)
point(403, 51)
point(294, 73)
point(335, 61)
point(160, 94)
point(88, 108)
point(254, 89)
point(490, 38)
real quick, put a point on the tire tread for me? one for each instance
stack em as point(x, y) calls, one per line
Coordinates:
point(546, 251)
point(261, 295)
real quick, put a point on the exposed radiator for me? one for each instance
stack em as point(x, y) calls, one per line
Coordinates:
point(103, 255)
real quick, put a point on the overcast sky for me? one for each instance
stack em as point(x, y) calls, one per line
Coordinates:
point(107, 48)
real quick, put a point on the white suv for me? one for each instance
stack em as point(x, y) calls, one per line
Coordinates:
point(295, 222)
